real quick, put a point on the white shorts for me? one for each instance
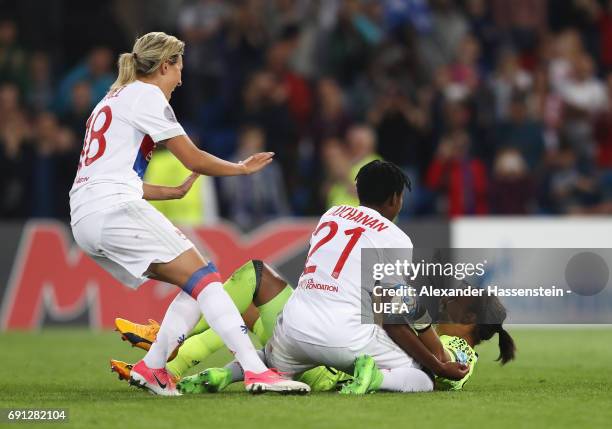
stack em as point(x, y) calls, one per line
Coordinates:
point(125, 239)
point(293, 357)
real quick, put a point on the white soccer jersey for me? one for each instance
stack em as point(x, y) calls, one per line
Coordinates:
point(119, 141)
point(325, 308)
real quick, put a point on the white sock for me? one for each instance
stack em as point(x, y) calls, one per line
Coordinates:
point(236, 369)
point(181, 317)
point(223, 317)
point(406, 380)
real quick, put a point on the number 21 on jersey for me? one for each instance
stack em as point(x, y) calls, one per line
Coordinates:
point(332, 230)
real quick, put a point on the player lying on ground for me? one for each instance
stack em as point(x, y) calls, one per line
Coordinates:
point(257, 282)
point(459, 334)
point(115, 226)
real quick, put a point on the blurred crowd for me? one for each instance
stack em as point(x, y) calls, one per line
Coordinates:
point(491, 107)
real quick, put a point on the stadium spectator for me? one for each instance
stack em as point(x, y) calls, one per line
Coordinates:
point(400, 128)
point(96, 70)
point(565, 188)
point(265, 104)
point(369, 21)
point(482, 26)
point(13, 58)
point(456, 113)
point(520, 20)
point(252, 200)
point(512, 190)
point(603, 132)
point(338, 187)
point(39, 89)
point(299, 96)
point(66, 153)
point(464, 70)
point(522, 75)
point(407, 13)
point(603, 18)
point(200, 25)
point(584, 96)
point(81, 103)
point(438, 47)
point(331, 119)
point(521, 132)
point(16, 157)
point(583, 91)
point(347, 49)
point(10, 106)
point(509, 78)
point(46, 131)
point(458, 179)
point(245, 47)
point(362, 145)
point(279, 14)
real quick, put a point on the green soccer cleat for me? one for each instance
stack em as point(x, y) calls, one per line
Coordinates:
point(324, 379)
point(367, 378)
point(211, 380)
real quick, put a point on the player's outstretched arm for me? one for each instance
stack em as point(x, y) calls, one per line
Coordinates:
point(203, 162)
point(158, 192)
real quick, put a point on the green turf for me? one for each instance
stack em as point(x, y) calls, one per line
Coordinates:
point(561, 379)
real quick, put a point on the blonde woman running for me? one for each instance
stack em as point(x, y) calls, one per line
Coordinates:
point(112, 222)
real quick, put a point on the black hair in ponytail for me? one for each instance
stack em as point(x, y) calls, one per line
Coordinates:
point(507, 349)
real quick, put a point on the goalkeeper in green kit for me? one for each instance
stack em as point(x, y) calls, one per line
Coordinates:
point(260, 295)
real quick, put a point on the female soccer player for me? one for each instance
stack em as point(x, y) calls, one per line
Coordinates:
point(468, 321)
point(112, 222)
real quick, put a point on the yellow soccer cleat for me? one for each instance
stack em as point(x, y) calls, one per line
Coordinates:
point(141, 336)
point(123, 369)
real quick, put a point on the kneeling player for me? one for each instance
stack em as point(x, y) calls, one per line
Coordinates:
point(321, 324)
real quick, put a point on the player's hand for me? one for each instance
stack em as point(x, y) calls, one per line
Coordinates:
point(184, 187)
point(452, 370)
point(256, 162)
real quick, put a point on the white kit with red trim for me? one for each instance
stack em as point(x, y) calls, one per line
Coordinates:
point(325, 308)
point(119, 141)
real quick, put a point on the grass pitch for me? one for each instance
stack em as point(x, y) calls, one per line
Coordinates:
point(562, 378)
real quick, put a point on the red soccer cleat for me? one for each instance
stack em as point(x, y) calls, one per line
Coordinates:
point(272, 381)
point(157, 381)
